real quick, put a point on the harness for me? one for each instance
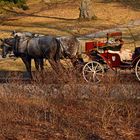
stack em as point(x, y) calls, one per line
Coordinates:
point(16, 46)
point(63, 50)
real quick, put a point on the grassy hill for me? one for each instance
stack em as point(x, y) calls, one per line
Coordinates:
point(61, 18)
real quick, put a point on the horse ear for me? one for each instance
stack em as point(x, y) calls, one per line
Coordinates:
point(2, 40)
point(13, 33)
point(33, 34)
point(16, 35)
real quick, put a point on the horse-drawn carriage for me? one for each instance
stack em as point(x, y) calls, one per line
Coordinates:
point(104, 54)
point(104, 57)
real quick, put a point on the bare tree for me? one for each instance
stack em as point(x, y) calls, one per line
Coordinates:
point(86, 10)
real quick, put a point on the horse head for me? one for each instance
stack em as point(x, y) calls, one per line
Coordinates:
point(7, 46)
point(70, 46)
point(13, 33)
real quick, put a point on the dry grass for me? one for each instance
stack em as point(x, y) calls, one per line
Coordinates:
point(56, 109)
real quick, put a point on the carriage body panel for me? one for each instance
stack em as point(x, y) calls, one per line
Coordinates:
point(108, 53)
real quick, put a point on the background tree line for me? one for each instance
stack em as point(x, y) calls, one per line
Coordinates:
point(18, 3)
point(14, 1)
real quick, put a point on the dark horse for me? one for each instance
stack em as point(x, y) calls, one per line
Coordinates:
point(36, 48)
point(7, 48)
point(48, 47)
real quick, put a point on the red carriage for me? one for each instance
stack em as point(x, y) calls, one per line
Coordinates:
point(104, 59)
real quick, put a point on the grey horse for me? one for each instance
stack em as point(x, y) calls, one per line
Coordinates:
point(26, 46)
point(69, 45)
point(36, 48)
point(7, 48)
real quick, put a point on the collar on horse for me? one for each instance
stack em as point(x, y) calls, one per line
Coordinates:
point(16, 46)
point(64, 51)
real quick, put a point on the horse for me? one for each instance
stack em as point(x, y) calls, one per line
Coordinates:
point(69, 46)
point(48, 47)
point(7, 48)
point(71, 49)
point(36, 48)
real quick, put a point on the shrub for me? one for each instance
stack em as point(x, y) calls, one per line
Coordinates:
point(18, 3)
point(14, 1)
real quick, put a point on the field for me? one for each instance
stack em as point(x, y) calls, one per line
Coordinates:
point(63, 106)
point(54, 107)
point(62, 19)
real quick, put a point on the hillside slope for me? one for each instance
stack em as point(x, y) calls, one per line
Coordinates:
point(61, 18)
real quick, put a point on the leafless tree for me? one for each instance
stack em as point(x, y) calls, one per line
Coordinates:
point(87, 10)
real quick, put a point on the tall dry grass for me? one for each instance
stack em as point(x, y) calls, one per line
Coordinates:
point(64, 107)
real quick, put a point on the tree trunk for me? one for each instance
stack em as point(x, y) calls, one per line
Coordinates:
point(86, 10)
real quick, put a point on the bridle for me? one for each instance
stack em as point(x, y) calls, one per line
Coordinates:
point(6, 47)
point(6, 44)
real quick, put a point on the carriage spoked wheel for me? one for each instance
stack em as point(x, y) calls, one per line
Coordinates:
point(137, 69)
point(93, 72)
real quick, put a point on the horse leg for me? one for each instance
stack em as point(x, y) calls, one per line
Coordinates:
point(77, 63)
point(60, 65)
point(36, 64)
point(57, 60)
point(27, 62)
point(74, 61)
point(41, 64)
point(53, 64)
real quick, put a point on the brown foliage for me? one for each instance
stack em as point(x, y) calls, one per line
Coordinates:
point(64, 107)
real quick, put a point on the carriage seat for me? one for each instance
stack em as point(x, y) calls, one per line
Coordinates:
point(125, 54)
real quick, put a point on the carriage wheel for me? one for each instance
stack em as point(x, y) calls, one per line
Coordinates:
point(137, 69)
point(93, 72)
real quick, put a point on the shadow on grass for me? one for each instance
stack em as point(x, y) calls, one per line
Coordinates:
point(69, 76)
point(21, 14)
point(10, 76)
point(72, 28)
